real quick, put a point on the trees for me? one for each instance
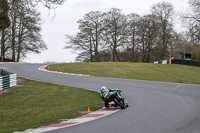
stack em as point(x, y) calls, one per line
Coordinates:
point(100, 31)
point(4, 23)
point(164, 12)
point(192, 21)
point(125, 38)
point(28, 33)
point(50, 4)
point(148, 35)
point(135, 38)
point(88, 40)
point(4, 19)
point(23, 35)
point(195, 4)
point(94, 25)
point(115, 31)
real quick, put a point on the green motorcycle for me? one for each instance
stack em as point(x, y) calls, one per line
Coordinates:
point(118, 99)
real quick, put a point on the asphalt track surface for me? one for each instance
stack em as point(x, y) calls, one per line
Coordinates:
point(154, 107)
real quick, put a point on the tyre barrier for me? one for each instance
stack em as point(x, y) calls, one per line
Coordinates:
point(7, 79)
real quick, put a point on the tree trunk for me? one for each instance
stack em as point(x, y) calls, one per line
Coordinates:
point(19, 50)
point(164, 42)
point(96, 54)
point(118, 57)
point(91, 56)
point(96, 46)
point(3, 42)
point(114, 53)
point(133, 47)
point(13, 41)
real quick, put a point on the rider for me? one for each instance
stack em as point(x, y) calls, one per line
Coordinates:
point(105, 94)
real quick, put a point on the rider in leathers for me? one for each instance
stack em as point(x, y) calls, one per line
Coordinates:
point(105, 94)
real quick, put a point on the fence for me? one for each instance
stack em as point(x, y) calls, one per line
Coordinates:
point(7, 79)
point(179, 61)
point(186, 62)
point(5, 60)
point(162, 62)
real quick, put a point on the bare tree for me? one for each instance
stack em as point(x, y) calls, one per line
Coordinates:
point(196, 6)
point(50, 4)
point(29, 37)
point(81, 42)
point(133, 40)
point(192, 22)
point(94, 22)
point(164, 11)
point(24, 33)
point(4, 23)
point(115, 32)
point(88, 40)
point(148, 33)
point(120, 37)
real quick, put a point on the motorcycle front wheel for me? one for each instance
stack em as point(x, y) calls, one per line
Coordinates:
point(119, 103)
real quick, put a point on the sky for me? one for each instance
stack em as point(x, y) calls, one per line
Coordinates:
point(57, 24)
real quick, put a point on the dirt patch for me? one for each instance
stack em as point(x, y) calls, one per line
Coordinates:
point(7, 90)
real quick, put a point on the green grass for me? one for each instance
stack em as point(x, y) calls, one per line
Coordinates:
point(35, 104)
point(139, 71)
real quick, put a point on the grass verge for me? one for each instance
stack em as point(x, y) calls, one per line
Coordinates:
point(35, 104)
point(140, 71)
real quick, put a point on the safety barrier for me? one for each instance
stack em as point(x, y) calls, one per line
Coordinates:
point(179, 61)
point(7, 79)
point(186, 62)
point(162, 62)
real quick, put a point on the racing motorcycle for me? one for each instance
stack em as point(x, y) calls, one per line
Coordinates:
point(118, 99)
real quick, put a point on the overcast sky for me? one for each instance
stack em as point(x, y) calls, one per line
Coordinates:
point(67, 15)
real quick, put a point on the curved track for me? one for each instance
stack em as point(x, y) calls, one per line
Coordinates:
point(155, 107)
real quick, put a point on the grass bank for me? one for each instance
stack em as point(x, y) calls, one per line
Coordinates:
point(140, 71)
point(35, 104)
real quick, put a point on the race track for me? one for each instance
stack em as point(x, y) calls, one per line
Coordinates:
point(154, 107)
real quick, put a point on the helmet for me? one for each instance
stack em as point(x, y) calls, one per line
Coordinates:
point(103, 88)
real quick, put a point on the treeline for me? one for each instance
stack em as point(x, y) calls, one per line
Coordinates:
point(114, 36)
point(20, 27)
point(20, 32)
